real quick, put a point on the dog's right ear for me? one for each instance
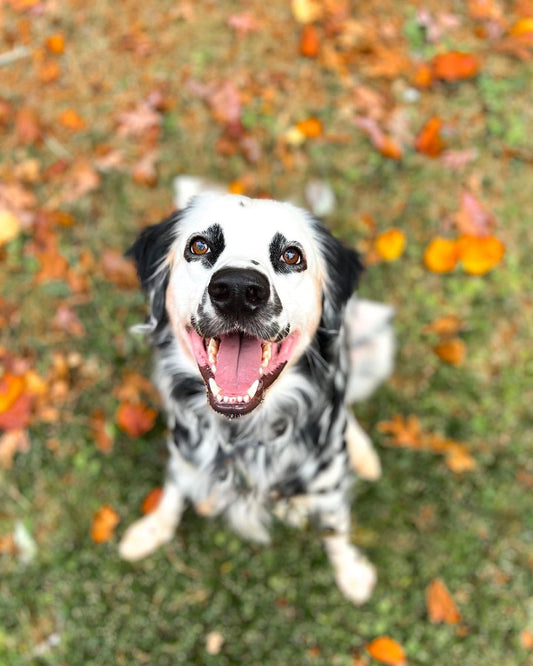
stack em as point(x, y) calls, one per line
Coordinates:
point(151, 249)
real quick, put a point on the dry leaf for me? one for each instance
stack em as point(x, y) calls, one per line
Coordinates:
point(441, 255)
point(101, 430)
point(56, 43)
point(139, 121)
point(135, 419)
point(145, 172)
point(387, 651)
point(404, 431)
point(81, 179)
point(480, 255)
point(67, 320)
point(151, 501)
point(243, 23)
point(458, 459)
point(385, 144)
point(119, 270)
point(473, 218)
point(28, 126)
point(429, 141)
point(423, 76)
point(309, 41)
point(214, 642)
point(310, 128)
point(10, 226)
point(455, 66)
point(390, 244)
point(103, 525)
point(445, 326)
point(523, 26)
point(451, 351)
point(307, 11)
point(11, 442)
point(440, 604)
point(72, 120)
point(11, 388)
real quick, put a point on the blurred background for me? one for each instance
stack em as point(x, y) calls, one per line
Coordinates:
point(407, 127)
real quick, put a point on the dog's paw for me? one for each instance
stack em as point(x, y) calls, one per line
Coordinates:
point(144, 537)
point(356, 578)
point(363, 456)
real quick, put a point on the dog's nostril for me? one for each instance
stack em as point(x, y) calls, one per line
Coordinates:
point(234, 290)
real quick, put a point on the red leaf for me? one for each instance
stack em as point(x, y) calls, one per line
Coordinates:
point(455, 66)
point(135, 419)
point(309, 41)
point(429, 141)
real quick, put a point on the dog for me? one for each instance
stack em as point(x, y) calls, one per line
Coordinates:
point(260, 348)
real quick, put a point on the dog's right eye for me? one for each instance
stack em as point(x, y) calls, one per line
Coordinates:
point(199, 246)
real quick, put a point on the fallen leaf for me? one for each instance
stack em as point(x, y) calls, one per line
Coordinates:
point(243, 23)
point(387, 651)
point(423, 76)
point(81, 179)
point(440, 604)
point(119, 270)
point(405, 432)
point(139, 121)
point(72, 120)
point(11, 388)
point(151, 501)
point(390, 244)
point(445, 326)
point(309, 41)
point(28, 128)
point(429, 141)
point(523, 26)
point(458, 459)
point(67, 320)
point(307, 11)
point(310, 128)
point(473, 218)
point(101, 430)
point(135, 419)
point(12, 442)
point(458, 159)
point(10, 227)
point(145, 172)
point(451, 351)
point(441, 255)
point(49, 71)
point(56, 43)
point(480, 255)
point(385, 144)
point(526, 639)
point(455, 66)
point(103, 525)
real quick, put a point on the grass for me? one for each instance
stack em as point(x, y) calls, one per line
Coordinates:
point(275, 605)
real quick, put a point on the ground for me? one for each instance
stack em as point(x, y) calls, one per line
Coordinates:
point(101, 106)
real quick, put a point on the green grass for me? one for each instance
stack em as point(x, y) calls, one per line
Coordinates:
point(278, 604)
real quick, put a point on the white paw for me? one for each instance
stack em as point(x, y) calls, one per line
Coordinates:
point(144, 537)
point(368, 465)
point(356, 579)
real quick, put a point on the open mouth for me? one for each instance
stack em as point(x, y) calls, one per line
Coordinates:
point(238, 368)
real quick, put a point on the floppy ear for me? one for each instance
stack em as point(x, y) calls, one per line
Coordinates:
point(344, 268)
point(149, 253)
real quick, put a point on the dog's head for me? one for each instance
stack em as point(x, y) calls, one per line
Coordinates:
point(244, 285)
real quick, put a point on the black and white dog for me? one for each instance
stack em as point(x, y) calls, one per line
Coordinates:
point(260, 348)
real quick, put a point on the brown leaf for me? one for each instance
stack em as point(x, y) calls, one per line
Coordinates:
point(12, 442)
point(458, 459)
point(387, 651)
point(81, 179)
point(243, 23)
point(139, 121)
point(28, 128)
point(440, 604)
point(135, 419)
point(119, 270)
point(101, 430)
point(385, 144)
point(103, 525)
point(145, 172)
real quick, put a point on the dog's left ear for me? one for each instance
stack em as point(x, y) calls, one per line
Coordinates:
point(149, 253)
point(344, 268)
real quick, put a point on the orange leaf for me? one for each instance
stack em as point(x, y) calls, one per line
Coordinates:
point(309, 41)
point(472, 218)
point(12, 442)
point(135, 419)
point(429, 141)
point(526, 639)
point(100, 430)
point(11, 388)
point(311, 128)
point(480, 254)
point(390, 148)
point(423, 76)
point(440, 604)
point(151, 501)
point(455, 66)
point(49, 71)
point(451, 351)
point(104, 522)
point(523, 26)
point(445, 326)
point(390, 244)
point(404, 431)
point(56, 44)
point(458, 459)
point(28, 126)
point(387, 651)
point(72, 120)
point(441, 255)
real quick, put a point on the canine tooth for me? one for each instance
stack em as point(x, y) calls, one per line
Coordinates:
point(215, 390)
point(253, 389)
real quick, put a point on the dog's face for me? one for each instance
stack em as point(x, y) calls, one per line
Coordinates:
point(245, 284)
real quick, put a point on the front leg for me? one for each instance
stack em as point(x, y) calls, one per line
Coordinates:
point(354, 574)
point(147, 534)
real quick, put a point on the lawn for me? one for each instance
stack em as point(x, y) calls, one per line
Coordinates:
point(102, 105)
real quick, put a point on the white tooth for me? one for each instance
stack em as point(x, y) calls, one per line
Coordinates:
point(253, 388)
point(246, 398)
point(215, 390)
point(214, 369)
point(260, 372)
point(225, 399)
point(218, 397)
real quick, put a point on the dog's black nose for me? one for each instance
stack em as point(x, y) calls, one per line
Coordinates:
point(238, 290)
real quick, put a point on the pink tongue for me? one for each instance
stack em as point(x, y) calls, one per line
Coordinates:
point(238, 363)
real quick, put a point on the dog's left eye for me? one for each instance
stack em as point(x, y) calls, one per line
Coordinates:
point(292, 256)
point(199, 246)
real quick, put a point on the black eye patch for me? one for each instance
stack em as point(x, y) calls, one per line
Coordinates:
point(286, 256)
point(205, 246)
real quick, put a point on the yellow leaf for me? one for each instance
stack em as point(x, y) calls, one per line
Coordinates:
point(522, 27)
point(387, 651)
point(11, 388)
point(9, 226)
point(441, 255)
point(307, 11)
point(390, 244)
point(480, 254)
